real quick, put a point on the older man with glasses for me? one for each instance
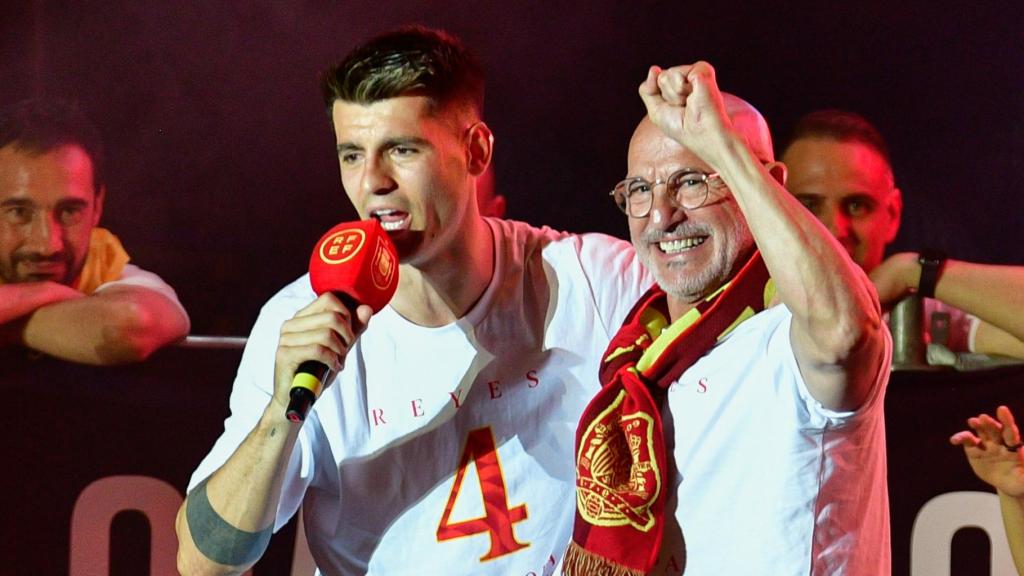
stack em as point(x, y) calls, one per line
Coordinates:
point(739, 426)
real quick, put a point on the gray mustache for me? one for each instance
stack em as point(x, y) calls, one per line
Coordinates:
point(681, 229)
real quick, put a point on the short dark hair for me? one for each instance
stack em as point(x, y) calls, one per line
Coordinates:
point(41, 125)
point(841, 125)
point(411, 59)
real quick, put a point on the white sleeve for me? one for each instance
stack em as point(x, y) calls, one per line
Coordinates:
point(781, 345)
point(616, 277)
point(972, 331)
point(135, 276)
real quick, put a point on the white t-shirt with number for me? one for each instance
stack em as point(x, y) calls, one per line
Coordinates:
point(450, 450)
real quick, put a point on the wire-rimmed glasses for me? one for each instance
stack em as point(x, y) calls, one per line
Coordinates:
point(687, 187)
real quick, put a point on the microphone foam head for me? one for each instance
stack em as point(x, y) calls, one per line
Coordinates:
point(357, 259)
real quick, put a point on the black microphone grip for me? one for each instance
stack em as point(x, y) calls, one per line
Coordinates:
point(306, 385)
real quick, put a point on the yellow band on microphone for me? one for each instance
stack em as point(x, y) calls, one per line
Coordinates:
point(307, 381)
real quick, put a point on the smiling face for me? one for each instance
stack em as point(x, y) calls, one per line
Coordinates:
point(849, 187)
point(690, 252)
point(48, 208)
point(404, 161)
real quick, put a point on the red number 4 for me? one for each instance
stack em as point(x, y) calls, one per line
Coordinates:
point(498, 518)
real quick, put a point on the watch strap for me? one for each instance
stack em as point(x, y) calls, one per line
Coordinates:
point(932, 262)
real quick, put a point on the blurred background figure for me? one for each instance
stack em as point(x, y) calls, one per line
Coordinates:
point(839, 168)
point(993, 449)
point(66, 287)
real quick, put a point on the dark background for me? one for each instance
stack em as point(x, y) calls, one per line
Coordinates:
point(223, 172)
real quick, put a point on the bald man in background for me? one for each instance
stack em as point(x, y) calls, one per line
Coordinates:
point(839, 169)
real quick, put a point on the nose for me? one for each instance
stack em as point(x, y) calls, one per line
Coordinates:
point(837, 223)
point(46, 235)
point(664, 209)
point(376, 177)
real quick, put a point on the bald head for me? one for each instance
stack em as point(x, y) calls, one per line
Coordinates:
point(746, 120)
point(751, 124)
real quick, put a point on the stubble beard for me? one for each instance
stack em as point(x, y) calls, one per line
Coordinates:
point(690, 288)
point(9, 268)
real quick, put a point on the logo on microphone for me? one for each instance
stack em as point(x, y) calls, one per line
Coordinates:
point(383, 267)
point(342, 246)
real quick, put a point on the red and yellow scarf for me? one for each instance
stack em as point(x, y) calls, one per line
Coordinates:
point(620, 446)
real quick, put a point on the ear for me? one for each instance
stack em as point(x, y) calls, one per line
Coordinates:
point(894, 209)
point(778, 171)
point(479, 148)
point(101, 195)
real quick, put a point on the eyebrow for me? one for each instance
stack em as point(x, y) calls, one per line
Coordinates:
point(72, 203)
point(11, 202)
point(860, 196)
point(389, 143)
point(690, 169)
point(28, 203)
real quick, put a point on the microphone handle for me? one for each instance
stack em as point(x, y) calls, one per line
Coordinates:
point(309, 379)
point(306, 386)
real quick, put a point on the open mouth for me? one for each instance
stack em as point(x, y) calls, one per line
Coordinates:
point(392, 220)
point(681, 244)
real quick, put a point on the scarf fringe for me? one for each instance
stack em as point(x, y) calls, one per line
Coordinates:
point(580, 562)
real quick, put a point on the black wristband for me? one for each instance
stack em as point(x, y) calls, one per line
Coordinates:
point(932, 262)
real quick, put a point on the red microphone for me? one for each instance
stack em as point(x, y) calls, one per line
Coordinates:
point(358, 263)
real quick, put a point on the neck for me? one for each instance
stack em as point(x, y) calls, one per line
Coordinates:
point(445, 288)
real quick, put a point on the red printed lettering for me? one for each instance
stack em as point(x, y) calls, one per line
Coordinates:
point(498, 519)
point(495, 390)
point(378, 416)
point(456, 397)
point(532, 377)
point(702, 386)
point(417, 407)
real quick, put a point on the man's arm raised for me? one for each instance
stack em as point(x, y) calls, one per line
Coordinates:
point(837, 329)
point(225, 523)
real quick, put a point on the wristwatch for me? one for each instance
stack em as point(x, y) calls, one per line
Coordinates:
point(932, 262)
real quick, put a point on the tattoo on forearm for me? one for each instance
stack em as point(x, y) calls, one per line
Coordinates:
point(216, 538)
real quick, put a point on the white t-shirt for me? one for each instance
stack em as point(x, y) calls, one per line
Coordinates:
point(423, 425)
point(769, 481)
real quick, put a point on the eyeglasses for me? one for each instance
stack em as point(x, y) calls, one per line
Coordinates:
point(688, 188)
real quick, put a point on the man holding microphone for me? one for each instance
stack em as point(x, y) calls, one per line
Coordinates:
point(444, 443)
